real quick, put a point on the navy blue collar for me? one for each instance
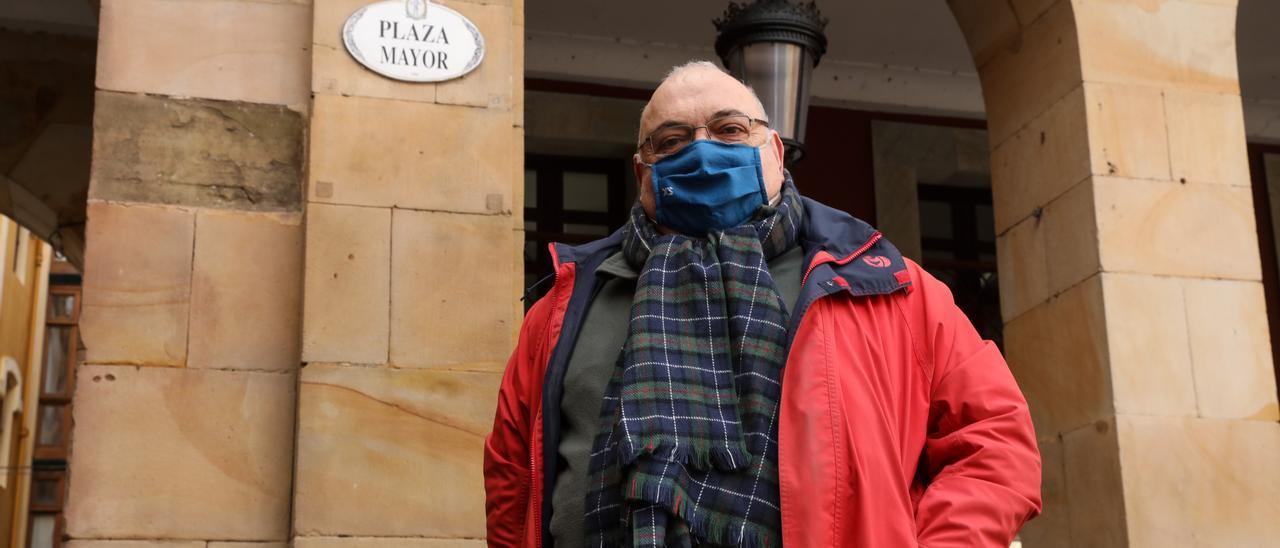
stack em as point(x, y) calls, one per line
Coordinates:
point(854, 252)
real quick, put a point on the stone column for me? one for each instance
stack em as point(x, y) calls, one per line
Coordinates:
point(1130, 278)
point(413, 230)
point(184, 411)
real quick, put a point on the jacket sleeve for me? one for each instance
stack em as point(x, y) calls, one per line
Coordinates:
point(507, 464)
point(980, 456)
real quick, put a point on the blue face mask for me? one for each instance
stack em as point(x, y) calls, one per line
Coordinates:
point(708, 186)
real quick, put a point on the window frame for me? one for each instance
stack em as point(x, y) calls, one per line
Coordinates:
point(60, 400)
point(548, 215)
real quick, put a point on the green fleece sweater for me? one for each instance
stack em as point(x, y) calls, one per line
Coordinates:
point(603, 333)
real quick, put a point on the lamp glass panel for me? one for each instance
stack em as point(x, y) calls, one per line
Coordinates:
point(779, 74)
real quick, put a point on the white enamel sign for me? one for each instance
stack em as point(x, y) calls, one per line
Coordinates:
point(413, 40)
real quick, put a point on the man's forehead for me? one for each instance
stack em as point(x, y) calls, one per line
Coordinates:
point(697, 97)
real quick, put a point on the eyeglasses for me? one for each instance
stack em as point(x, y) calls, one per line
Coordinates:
point(732, 129)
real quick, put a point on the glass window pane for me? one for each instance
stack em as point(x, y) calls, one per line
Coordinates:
point(593, 230)
point(530, 188)
point(50, 425)
point(55, 362)
point(935, 220)
point(62, 307)
point(43, 528)
point(45, 492)
point(586, 191)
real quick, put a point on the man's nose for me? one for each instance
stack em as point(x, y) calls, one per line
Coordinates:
point(706, 133)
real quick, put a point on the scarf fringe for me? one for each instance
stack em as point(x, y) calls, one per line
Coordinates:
point(693, 453)
point(715, 528)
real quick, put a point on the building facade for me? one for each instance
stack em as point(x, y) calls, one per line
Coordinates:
point(23, 370)
point(302, 279)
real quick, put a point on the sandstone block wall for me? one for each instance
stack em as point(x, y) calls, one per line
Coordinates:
point(413, 203)
point(1130, 278)
point(184, 418)
point(256, 213)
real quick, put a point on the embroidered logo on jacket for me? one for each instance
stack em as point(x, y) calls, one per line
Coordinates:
point(878, 261)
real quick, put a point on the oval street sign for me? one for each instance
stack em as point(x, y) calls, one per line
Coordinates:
point(413, 40)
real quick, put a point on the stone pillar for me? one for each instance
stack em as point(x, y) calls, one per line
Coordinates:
point(1130, 278)
point(184, 411)
point(413, 230)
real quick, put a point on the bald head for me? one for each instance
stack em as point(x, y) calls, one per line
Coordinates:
point(693, 82)
point(693, 94)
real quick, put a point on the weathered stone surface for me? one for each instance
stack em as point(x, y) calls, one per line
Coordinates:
point(517, 181)
point(229, 50)
point(1057, 352)
point(1199, 482)
point(448, 275)
point(1230, 349)
point(517, 66)
point(196, 152)
point(1091, 459)
point(392, 452)
point(1021, 82)
point(1206, 138)
point(518, 286)
point(421, 156)
point(135, 544)
point(181, 454)
point(992, 26)
point(347, 291)
point(1070, 238)
point(1040, 161)
point(989, 27)
point(1147, 345)
point(1150, 227)
point(1052, 528)
point(1127, 136)
point(490, 84)
point(373, 542)
point(246, 291)
point(137, 284)
point(216, 544)
point(335, 72)
point(1185, 44)
point(1024, 276)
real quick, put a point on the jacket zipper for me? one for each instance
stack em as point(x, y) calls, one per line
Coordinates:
point(533, 454)
point(533, 479)
point(861, 249)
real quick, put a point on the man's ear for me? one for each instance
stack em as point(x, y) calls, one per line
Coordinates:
point(637, 165)
point(778, 149)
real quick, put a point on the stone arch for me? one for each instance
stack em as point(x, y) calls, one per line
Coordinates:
point(1129, 267)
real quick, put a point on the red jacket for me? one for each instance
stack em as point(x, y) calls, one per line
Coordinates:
point(899, 425)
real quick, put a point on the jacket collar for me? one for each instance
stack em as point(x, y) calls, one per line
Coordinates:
point(564, 253)
point(841, 251)
point(845, 253)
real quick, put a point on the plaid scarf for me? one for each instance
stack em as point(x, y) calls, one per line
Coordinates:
point(688, 454)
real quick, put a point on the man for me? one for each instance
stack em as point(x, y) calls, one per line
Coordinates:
point(742, 366)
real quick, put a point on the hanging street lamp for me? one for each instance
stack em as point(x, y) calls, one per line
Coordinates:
point(773, 46)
